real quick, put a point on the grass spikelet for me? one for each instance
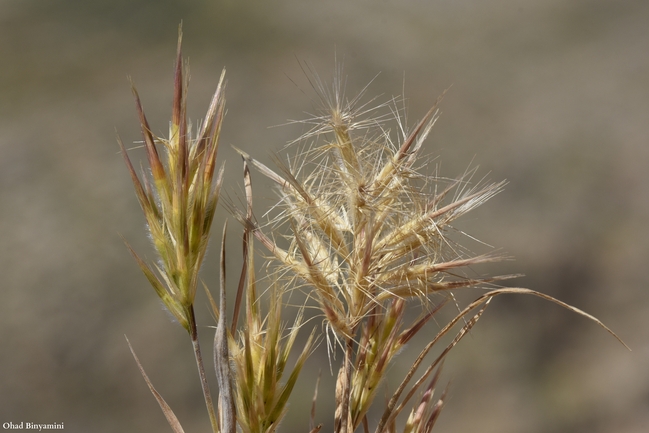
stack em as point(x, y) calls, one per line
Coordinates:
point(179, 205)
point(260, 350)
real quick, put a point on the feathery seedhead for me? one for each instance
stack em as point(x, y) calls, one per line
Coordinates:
point(368, 232)
point(179, 205)
point(368, 226)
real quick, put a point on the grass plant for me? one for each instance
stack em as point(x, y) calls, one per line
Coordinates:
point(366, 235)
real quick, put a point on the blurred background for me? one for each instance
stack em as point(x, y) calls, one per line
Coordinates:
point(551, 95)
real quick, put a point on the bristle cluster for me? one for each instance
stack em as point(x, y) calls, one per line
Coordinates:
point(367, 227)
point(368, 232)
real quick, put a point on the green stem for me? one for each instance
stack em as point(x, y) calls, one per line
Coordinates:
point(201, 371)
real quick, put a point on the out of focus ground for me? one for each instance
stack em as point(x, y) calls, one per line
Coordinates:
point(551, 95)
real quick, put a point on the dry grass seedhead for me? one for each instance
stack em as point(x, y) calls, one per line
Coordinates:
point(369, 232)
point(369, 235)
point(367, 226)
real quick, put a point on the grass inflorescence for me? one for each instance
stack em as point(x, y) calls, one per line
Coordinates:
point(368, 230)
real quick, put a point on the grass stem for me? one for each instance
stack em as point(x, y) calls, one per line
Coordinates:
point(207, 395)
